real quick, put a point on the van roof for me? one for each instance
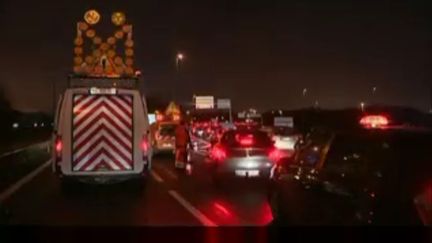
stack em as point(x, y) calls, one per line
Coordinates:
point(102, 82)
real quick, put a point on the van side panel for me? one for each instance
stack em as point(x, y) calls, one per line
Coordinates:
point(102, 133)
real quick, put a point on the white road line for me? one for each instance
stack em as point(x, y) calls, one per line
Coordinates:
point(26, 179)
point(156, 176)
point(170, 173)
point(195, 212)
point(22, 149)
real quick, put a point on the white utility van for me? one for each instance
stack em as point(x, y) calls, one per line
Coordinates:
point(101, 132)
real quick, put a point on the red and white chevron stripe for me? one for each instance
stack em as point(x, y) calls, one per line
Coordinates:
point(102, 132)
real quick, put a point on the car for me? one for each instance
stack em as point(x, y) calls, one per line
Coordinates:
point(164, 137)
point(285, 139)
point(243, 153)
point(376, 173)
point(101, 132)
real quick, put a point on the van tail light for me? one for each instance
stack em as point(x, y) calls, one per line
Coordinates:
point(275, 155)
point(58, 147)
point(218, 153)
point(145, 146)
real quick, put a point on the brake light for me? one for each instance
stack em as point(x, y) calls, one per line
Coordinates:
point(218, 153)
point(159, 117)
point(145, 145)
point(247, 140)
point(58, 145)
point(176, 117)
point(275, 155)
point(374, 121)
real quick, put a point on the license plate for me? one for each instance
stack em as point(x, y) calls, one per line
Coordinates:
point(247, 173)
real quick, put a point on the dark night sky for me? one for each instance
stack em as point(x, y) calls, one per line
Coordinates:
point(259, 53)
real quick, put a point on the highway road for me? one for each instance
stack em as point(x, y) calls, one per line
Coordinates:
point(170, 198)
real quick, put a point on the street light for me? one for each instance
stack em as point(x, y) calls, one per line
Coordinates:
point(179, 58)
point(362, 105)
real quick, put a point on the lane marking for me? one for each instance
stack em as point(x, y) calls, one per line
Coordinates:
point(22, 149)
point(26, 179)
point(195, 212)
point(170, 173)
point(156, 176)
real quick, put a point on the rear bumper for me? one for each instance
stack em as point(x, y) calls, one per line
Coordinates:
point(161, 148)
point(243, 168)
point(104, 179)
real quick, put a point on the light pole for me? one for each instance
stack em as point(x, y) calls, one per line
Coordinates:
point(178, 59)
point(362, 105)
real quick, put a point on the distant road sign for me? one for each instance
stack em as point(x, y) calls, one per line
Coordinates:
point(223, 104)
point(283, 122)
point(204, 102)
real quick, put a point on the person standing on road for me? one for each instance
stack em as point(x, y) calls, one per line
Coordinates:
point(182, 139)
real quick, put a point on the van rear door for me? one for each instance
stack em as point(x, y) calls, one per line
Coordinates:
point(102, 132)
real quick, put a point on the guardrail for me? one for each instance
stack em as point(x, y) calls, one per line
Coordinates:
point(36, 145)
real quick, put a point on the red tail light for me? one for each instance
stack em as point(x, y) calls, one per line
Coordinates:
point(145, 145)
point(159, 117)
point(275, 155)
point(176, 117)
point(218, 153)
point(247, 140)
point(58, 145)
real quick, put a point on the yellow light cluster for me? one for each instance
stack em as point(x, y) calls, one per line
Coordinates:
point(103, 51)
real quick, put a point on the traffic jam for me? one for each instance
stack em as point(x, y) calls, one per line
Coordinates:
point(113, 161)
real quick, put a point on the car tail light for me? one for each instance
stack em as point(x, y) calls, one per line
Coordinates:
point(247, 140)
point(176, 117)
point(374, 121)
point(218, 153)
point(159, 117)
point(275, 155)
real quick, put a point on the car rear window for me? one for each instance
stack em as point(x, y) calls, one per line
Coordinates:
point(256, 139)
point(167, 130)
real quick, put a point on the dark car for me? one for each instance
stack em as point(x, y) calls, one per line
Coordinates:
point(375, 174)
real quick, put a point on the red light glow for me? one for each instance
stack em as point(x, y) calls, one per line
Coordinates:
point(374, 121)
point(222, 209)
point(176, 117)
point(218, 153)
point(144, 145)
point(59, 145)
point(159, 117)
point(275, 155)
point(247, 140)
